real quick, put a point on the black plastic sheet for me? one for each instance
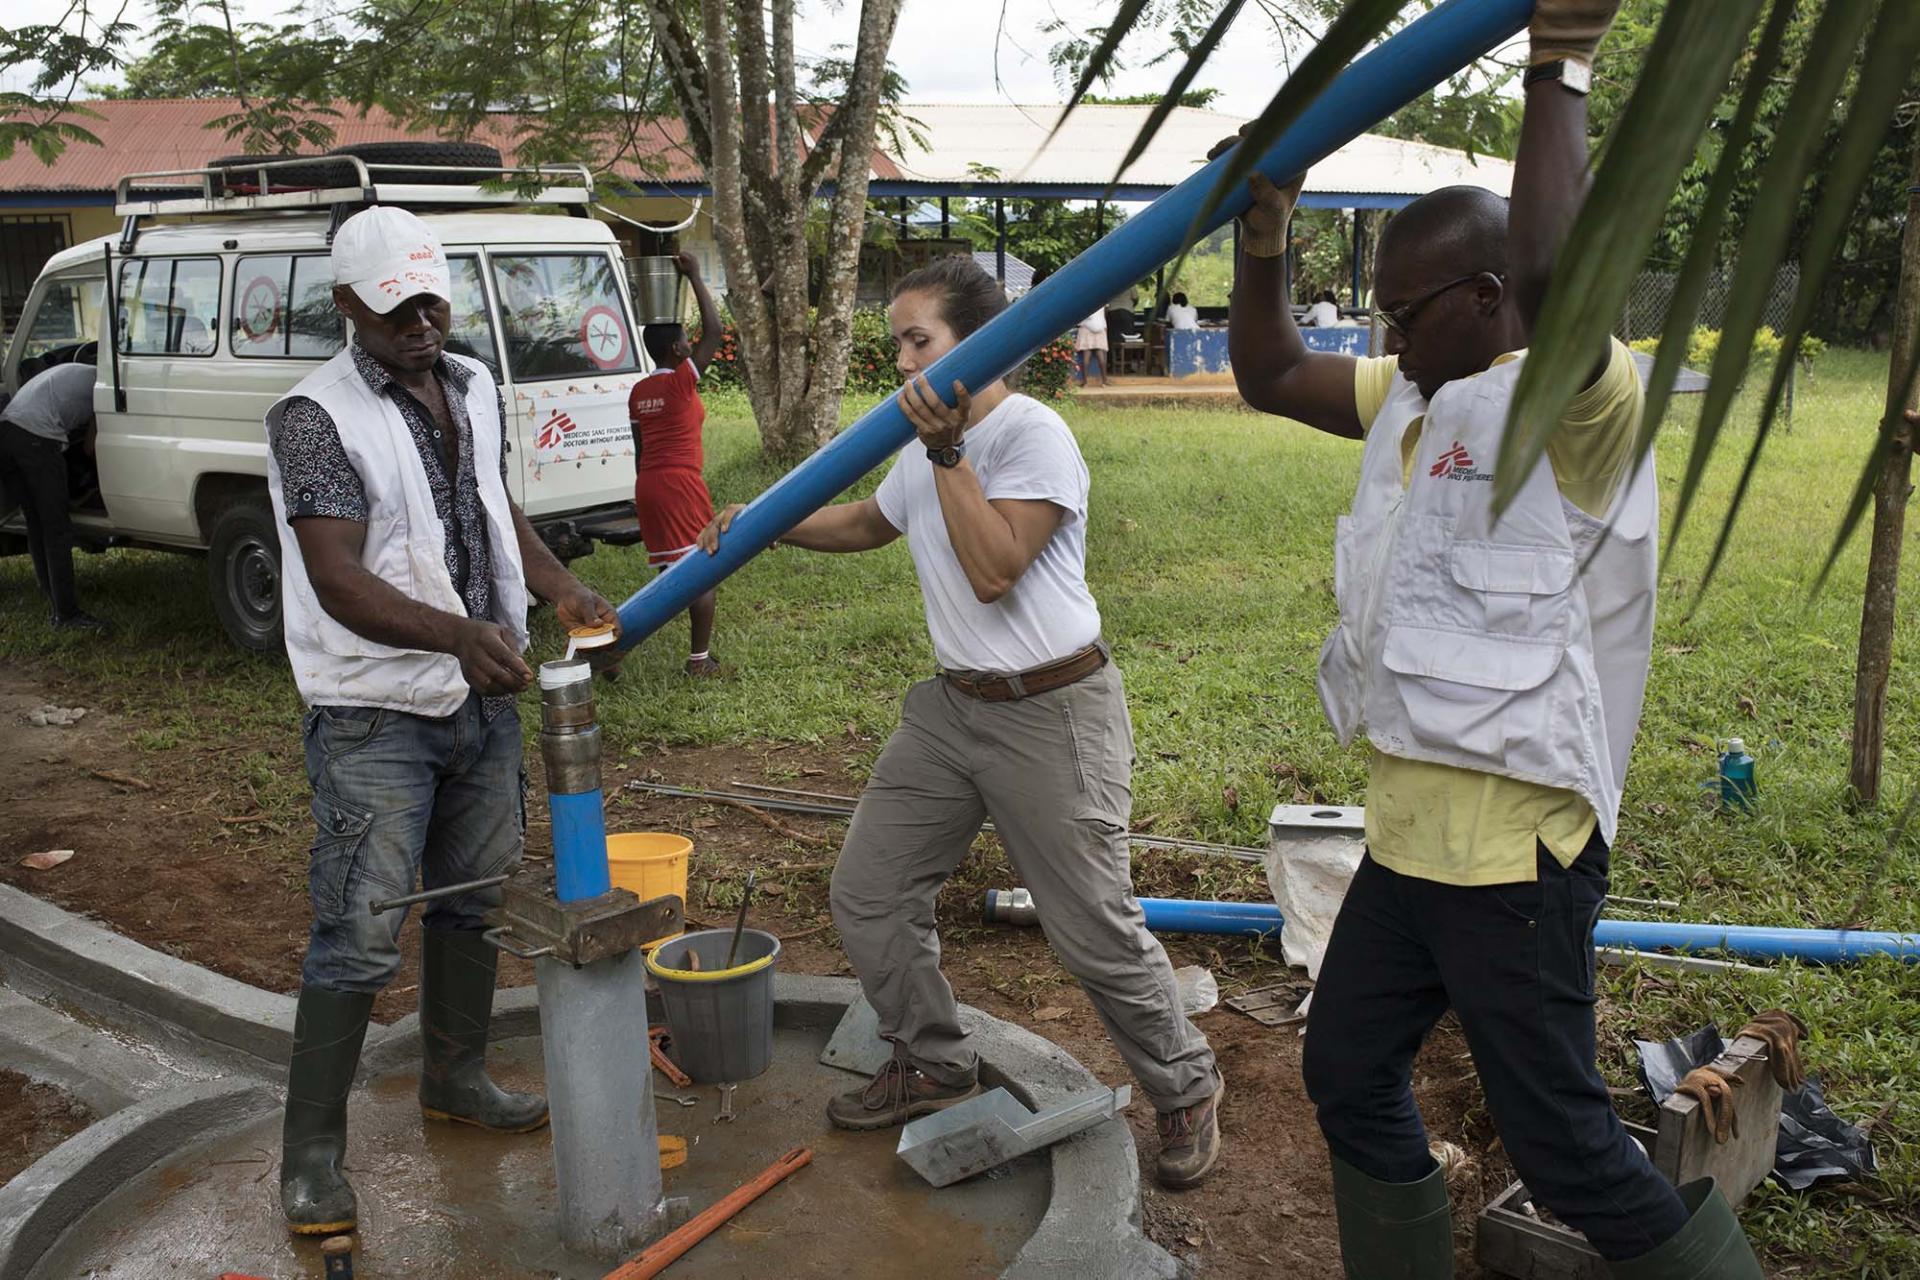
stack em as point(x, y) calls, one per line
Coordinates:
point(1814, 1142)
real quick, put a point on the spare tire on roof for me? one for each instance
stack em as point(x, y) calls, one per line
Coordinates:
point(466, 155)
point(298, 177)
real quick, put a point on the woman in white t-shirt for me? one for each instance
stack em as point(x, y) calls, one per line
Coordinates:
point(1026, 723)
point(1181, 315)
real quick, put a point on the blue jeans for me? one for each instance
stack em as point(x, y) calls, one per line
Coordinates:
point(399, 797)
point(1515, 961)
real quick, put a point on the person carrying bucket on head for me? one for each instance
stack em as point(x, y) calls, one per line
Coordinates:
point(408, 572)
point(1026, 723)
point(665, 414)
point(1496, 661)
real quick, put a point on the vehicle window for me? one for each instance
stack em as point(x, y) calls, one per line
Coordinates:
point(563, 315)
point(169, 306)
point(472, 326)
point(283, 306)
point(69, 315)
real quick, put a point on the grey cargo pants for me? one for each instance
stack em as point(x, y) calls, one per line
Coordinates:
point(1054, 771)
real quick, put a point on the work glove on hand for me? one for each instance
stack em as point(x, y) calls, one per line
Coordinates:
point(1714, 1092)
point(1782, 1032)
point(1263, 227)
point(1568, 29)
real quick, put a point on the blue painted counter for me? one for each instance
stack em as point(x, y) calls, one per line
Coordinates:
point(1191, 351)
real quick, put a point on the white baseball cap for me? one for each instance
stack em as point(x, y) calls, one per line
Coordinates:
point(388, 255)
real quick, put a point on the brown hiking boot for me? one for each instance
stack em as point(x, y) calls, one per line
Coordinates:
point(897, 1093)
point(1189, 1141)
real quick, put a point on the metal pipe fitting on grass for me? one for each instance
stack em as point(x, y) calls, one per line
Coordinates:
point(1164, 915)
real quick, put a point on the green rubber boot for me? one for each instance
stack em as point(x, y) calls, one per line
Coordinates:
point(1710, 1247)
point(328, 1029)
point(1393, 1230)
point(456, 1008)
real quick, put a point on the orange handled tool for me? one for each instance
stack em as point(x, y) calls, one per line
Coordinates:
point(659, 1255)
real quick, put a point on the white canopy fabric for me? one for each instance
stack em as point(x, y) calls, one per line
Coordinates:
point(1003, 149)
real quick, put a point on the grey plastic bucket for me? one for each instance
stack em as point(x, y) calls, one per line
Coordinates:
point(656, 291)
point(722, 1025)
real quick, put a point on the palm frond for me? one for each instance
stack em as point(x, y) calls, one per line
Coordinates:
point(1359, 24)
point(1101, 57)
point(1202, 50)
point(1690, 286)
point(1769, 225)
point(1890, 58)
point(1686, 67)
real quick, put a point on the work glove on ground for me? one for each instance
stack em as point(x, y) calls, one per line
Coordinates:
point(1714, 1092)
point(1568, 29)
point(1782, 1032)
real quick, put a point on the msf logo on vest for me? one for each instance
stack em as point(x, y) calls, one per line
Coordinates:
point(1457, 464)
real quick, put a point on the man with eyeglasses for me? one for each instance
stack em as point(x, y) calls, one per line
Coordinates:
point(1497, 663)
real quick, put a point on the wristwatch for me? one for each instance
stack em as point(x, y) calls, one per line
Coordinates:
point(946, 455)
point(1572, 73)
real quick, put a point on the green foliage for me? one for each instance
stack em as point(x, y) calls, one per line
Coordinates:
point(1857, 302)
point(1704, 344)
point(1188, 98)
point(1045, 234)
point(870, 369)
point(1476, 112)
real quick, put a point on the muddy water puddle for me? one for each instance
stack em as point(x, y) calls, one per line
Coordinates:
point(442, 1200)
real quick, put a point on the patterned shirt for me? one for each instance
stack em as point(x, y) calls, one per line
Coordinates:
point(318, 478)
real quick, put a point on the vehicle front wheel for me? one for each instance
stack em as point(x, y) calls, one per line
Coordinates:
point(243, 570)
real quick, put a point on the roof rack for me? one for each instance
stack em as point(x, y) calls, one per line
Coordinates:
point(141, 195)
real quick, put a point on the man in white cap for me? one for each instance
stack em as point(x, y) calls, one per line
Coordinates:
point(406, 577)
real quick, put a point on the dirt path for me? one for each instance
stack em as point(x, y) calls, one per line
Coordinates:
point(174, 847)
point(34, 1119)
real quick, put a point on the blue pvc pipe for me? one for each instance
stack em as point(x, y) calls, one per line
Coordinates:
point(1180, 915)
point(1816, 946)
point(579, 845)
point(1428, 51)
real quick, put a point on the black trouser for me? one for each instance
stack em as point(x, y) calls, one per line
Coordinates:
point(1516, 962)
point(33, 471)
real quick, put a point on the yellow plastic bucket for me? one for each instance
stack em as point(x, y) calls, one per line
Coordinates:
point(650, 863)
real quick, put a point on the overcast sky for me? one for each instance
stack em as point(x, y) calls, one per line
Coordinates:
point(944, 57)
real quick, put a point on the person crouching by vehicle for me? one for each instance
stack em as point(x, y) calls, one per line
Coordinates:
point(1026, 723)
point(666, 415)
point(52, 410)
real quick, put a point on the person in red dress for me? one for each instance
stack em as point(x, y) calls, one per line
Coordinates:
point(665, 413)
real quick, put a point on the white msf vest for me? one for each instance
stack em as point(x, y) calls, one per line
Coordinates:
point(1510, 646)
point(405, 547)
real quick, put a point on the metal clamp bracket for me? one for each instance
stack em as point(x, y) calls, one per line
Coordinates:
point(531, 922)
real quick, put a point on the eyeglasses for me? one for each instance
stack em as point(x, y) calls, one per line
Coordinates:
point(1400, 318)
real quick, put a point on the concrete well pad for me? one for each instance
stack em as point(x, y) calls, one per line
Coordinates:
point(447, 1201)
point(181, 1179)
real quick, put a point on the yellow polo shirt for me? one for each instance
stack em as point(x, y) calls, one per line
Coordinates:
point(1460, 826)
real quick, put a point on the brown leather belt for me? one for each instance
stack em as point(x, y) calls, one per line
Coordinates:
point(1055, 675)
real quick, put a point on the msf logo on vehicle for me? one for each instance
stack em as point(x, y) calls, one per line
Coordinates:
point(555, 430)
point(1457, 464)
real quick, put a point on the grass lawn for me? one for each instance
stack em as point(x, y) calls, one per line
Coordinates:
point(1211, 559)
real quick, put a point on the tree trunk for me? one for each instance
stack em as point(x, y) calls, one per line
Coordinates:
point(1889, 520)
point(856, 118)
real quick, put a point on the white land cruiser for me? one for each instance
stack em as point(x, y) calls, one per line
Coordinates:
point(224, 291)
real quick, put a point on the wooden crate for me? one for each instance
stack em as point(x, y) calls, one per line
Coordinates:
point(1511, 1242)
